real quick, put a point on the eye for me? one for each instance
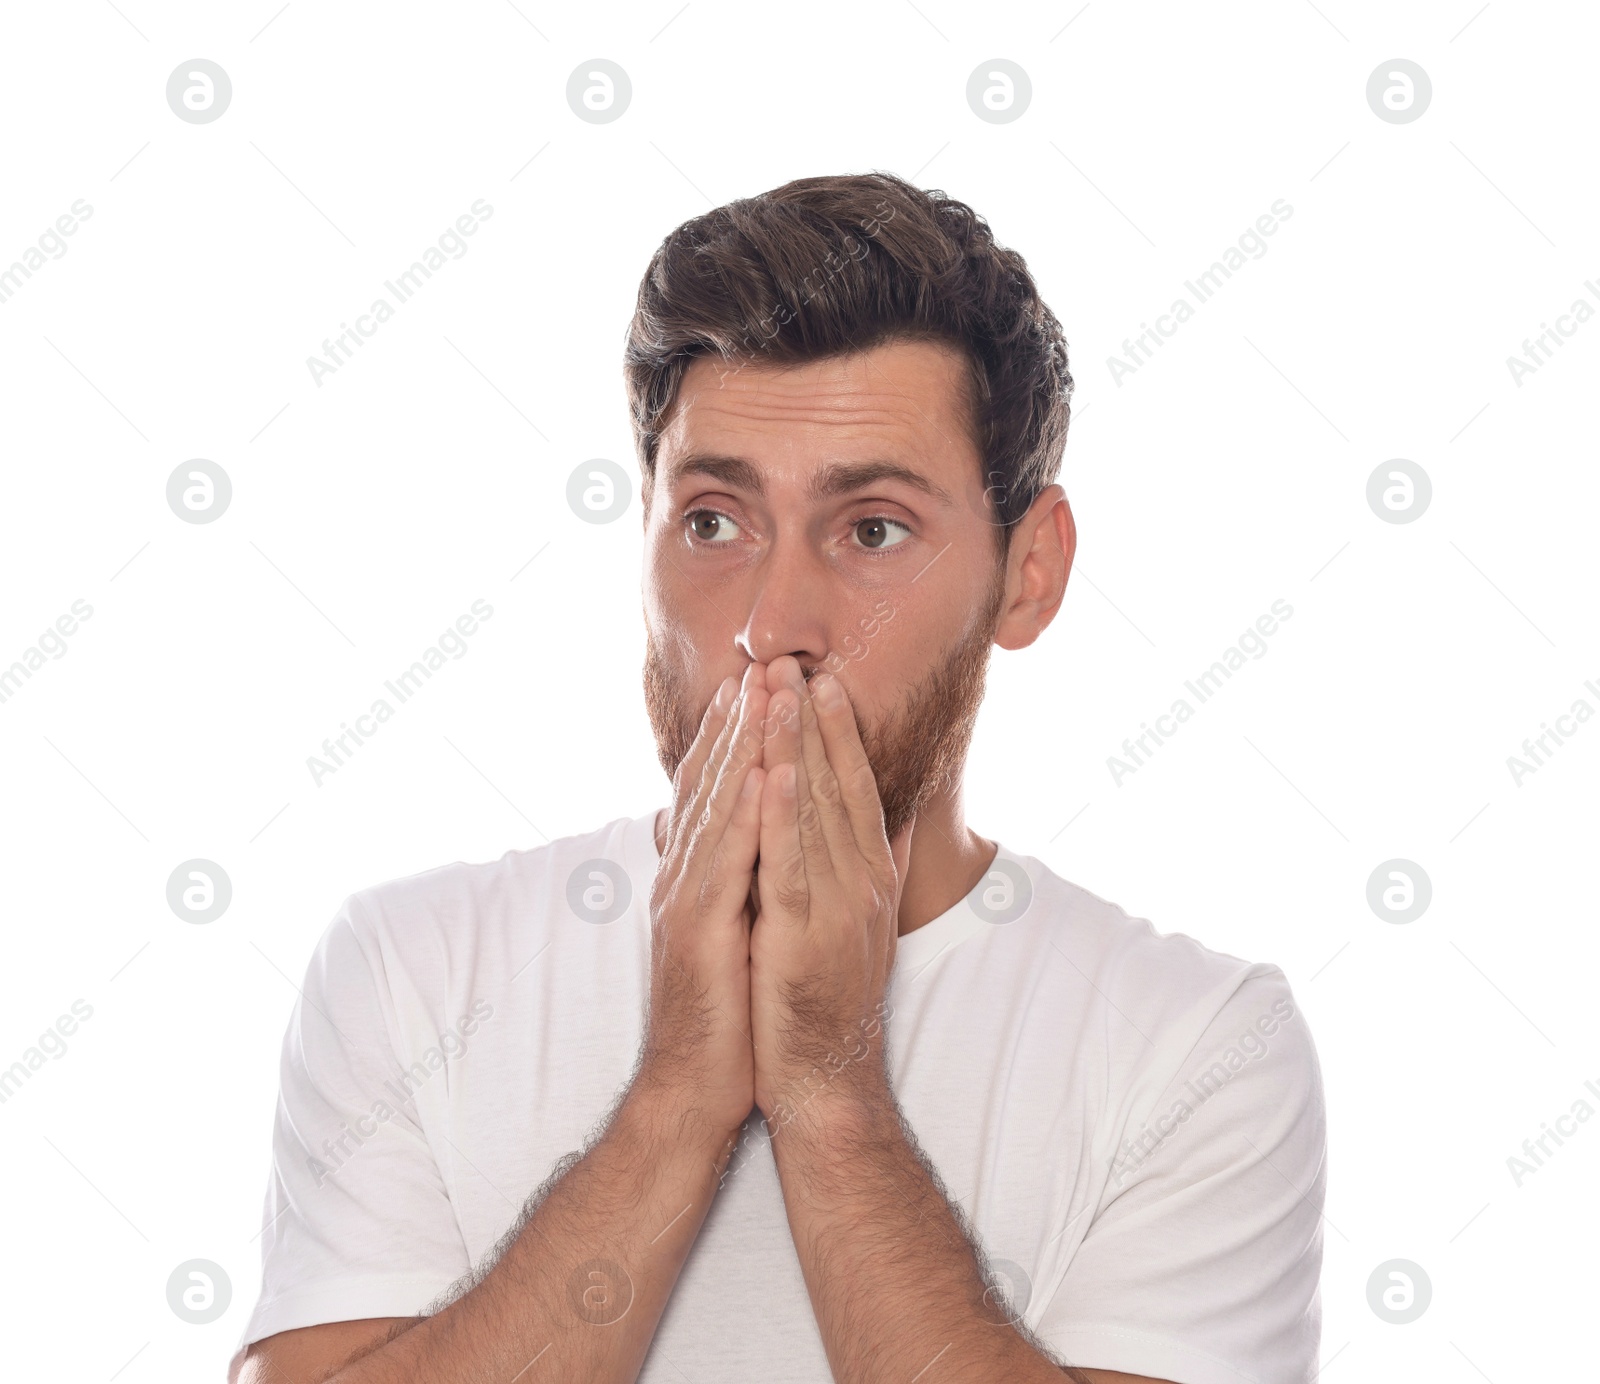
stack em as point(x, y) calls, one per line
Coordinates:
point(710, 526)
point(875, 531)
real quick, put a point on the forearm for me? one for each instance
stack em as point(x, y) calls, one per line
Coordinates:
point(582, 1285)
point(893, 1278)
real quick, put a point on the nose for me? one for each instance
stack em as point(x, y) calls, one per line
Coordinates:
point(789, 611)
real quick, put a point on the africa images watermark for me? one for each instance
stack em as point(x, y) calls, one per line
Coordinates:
point(1537, 352)
point(1136, 752)
point(336, 752)
point(1538, 749)
point(403, 287)
point(1566, 1125)
point(815, 1081)
point(1202, 288)
point(51, 1043)
point(452, 1043)
point(52, 641)
point(52, 243)
point(1250, 1046)
point(832, 264)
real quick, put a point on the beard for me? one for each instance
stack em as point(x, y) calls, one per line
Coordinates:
point(917, 749)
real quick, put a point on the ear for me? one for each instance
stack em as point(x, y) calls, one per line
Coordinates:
point(1043, 544)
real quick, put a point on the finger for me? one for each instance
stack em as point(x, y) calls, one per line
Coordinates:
point(742, 749)
point(731, 869)
point(686, 778)
point(819, 780)
point(858, 786)
point(785, 748)
point(782, 877)
point(700, 796)
point(721, 852)
point(732, 754)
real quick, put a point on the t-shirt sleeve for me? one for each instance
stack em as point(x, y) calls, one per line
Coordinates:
point(1201, 1265)
point(357, 1220)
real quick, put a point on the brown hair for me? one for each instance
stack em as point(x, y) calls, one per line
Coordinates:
point(828, 265)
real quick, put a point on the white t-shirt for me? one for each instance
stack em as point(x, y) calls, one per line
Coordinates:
point(1132, 1123)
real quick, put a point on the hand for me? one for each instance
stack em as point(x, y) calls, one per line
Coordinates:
point(829, 888)
point(697, 1045)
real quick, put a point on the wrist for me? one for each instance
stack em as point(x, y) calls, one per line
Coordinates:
point(836, 1146)
point(824, 1109)
point(671, 1114)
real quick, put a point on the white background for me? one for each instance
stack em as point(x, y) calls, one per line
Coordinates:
point(372, 510)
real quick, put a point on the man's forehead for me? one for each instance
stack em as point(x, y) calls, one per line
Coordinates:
point(828, 480)
point(905, 402)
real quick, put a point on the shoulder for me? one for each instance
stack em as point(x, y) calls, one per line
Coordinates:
point(464, 905)
point(1162, 1025)
point(1129, 951)
point(1162, 987)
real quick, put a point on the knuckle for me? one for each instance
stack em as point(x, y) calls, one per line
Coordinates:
point(708, 776)
point(708, 896)
point(861, 779)
point(711, 887)
point(827, 790)
point(791, 898)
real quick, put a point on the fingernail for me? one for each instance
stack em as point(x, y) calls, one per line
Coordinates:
point(725, 691)
point(825, 689)
point(790, 781)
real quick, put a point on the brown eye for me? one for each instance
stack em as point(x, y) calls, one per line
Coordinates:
point(709, 526)
point(877, 532)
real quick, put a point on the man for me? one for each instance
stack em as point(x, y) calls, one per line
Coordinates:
point(800, 1077)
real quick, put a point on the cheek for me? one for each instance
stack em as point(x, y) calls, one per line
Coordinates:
point(688, 633)
point(669, 601)
point(891, 625)
point(660, 609)
point(875, 651)
point(694, 634)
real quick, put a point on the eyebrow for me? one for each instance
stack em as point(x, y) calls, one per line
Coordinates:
point(836, 478)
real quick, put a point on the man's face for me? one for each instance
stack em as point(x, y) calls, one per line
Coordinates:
point(775, 528)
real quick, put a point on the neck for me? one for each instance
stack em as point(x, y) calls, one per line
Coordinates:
point(947, 860)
